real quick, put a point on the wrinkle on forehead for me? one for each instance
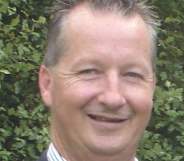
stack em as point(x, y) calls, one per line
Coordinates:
point(84, 18)
point(96, 25)
point(88, 31)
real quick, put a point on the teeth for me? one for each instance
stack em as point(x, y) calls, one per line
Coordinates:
point(105, 119)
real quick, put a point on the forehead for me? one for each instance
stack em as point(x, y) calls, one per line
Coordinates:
point(84, 20)
point(106, 32)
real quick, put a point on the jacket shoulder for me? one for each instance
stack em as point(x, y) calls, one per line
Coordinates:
point(43, 156)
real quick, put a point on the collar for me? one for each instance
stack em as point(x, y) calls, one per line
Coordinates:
point(53, 155)
point(136, 159)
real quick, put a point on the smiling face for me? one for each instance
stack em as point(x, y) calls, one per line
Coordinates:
point(100, 93)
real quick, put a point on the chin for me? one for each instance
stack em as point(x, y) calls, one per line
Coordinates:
point(112, 146)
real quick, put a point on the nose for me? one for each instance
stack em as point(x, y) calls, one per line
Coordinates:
point(111, 95)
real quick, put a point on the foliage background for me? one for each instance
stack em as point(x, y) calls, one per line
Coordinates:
point(24, 120)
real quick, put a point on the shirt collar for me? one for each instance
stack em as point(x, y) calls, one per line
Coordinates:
point(53, 155)
point(136, 159)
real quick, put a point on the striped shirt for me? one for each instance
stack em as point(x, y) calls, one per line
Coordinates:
point(53, 155)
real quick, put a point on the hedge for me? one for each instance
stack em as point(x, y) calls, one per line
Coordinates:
point(24, 119)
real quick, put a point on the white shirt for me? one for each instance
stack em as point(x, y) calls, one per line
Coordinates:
point(53, 155)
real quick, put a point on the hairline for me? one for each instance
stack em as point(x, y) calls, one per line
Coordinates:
point(62, 23)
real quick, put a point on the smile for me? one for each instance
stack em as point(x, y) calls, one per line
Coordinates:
point(107, 119)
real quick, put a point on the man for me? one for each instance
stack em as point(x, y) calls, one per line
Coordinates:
point(98, 79)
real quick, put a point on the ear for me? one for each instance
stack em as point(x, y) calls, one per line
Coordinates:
point(45, 85)
point(154, 83)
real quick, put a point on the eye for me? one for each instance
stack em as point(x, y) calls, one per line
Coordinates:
point(134, 75)
point(88, 71)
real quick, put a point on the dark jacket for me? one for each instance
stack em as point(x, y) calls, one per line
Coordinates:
point(43, 156)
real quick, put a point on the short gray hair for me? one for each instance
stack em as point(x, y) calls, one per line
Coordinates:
point(62, 8)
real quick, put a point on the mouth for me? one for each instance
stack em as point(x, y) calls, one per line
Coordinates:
point(106, 119)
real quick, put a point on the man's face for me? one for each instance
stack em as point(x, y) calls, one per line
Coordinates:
point(100, 93)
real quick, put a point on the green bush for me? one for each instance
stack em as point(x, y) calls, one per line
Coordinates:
point(24, 120)
point(164, 140)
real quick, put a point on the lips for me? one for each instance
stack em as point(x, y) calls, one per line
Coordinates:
point(107, 119)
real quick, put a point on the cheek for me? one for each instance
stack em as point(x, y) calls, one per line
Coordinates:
point(141, 101)
point(75, 95)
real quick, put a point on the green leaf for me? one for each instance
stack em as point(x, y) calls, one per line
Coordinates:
point(15, 21)
point(4, 71)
